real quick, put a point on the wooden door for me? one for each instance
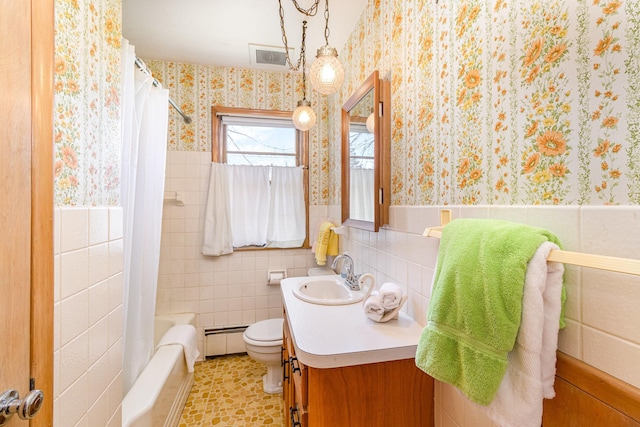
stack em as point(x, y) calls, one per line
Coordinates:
point(26, 201)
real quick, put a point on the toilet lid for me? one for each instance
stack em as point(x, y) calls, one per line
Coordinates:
point(265, 330)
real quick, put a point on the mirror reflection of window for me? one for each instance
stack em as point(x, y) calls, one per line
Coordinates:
point(366, 155)
point(361, 194)
point(361, 170)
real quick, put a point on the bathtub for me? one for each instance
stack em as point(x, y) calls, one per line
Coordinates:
point(158, 396)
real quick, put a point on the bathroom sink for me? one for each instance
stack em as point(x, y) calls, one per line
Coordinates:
point(327, 291)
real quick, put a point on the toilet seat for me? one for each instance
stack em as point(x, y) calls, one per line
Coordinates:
point(265, 333)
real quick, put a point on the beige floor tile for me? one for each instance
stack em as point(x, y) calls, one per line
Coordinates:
point(227, 391)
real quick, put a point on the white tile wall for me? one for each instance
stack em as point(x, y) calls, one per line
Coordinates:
point(88, 317)
point(230, 290)
point(601, 312)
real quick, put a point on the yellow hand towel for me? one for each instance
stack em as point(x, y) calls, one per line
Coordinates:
point(322, 242)
point(332, 248)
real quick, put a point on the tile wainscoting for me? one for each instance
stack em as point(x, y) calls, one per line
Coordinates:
point(230, 290)
point(88, 316)
point(601, 312)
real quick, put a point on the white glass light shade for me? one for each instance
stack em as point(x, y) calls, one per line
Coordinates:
point(304, 118)
point(371, 122)
point(327, 73)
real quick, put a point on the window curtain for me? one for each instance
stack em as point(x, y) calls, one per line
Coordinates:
point(218, 238)
point(247, 208)
point(361, 197)
point(144, 145)
point(287, 214)
point(249, 199)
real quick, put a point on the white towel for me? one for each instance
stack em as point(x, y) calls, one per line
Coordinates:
point(184, 335)
point(532, 362)
point(373, 307)
point(390, 295)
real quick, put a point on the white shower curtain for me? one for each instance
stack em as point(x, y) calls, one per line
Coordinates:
point(144, 143)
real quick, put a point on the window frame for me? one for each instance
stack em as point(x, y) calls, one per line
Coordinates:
point(218, 152)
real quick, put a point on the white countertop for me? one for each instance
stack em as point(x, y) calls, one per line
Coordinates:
point(342, 335)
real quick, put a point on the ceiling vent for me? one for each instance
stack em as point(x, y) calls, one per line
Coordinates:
point(273, 57)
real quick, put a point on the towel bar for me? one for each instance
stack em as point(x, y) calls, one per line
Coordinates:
point(601, 262)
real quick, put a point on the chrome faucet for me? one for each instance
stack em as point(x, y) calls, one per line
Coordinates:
point(346, 271)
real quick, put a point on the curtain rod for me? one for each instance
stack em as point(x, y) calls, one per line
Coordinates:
point(142, 66)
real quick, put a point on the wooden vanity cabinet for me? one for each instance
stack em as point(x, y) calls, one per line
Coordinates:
point(392, 393)
point(294, 384)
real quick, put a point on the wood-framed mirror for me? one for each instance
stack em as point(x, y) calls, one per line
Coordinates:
point(366, 155)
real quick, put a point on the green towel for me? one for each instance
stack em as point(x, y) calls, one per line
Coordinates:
point(476, 303)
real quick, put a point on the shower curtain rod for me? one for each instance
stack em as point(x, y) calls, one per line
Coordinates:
point(142, 66)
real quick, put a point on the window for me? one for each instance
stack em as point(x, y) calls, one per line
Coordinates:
point(260, 138)
point(259, 142)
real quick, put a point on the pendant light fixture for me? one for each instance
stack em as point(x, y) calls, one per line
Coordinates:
point(327, 73)
point(304, 118)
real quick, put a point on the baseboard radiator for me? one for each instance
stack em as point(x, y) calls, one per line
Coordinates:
point(220, 341)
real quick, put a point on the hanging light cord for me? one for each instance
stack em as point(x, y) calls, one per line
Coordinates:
point(326, 20)
point(310, 12)
point(302, 55)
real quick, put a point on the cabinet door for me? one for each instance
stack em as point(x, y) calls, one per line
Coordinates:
point(299, 376)
point(294, 383)
point(287, 383)
point(394, 393)
point(299, 379)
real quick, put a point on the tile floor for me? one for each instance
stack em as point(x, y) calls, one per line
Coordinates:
point(227, 391)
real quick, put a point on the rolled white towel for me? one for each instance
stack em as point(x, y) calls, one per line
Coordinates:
point(373, 307)
point(390, 295)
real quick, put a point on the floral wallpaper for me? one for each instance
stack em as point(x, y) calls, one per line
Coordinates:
point(503, 101)
point(196, 88)
point(87, 102)
point(493, 101)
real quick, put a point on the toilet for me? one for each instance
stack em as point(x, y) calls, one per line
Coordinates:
point(263, 341)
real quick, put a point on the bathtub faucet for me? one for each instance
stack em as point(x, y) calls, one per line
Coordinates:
point(346, 271)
